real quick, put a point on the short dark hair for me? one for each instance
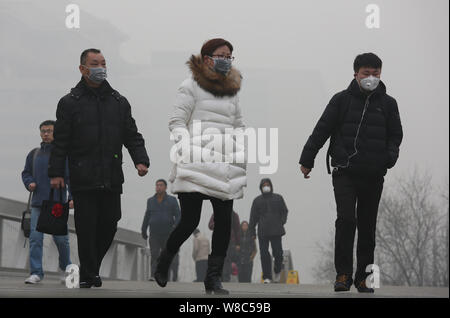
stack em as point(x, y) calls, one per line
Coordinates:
point(47, 123)
point(161, 180)
point(366, 60)
point(210, 46)
point(85, 53)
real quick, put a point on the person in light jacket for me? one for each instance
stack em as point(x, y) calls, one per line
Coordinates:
point(200, 252)
point(210, 98)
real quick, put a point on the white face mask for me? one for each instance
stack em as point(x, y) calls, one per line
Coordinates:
point(266, 189)
point(369, 83)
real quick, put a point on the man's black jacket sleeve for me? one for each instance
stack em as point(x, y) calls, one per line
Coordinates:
point(62, 136)
point(323, 130)
point(394, 134)
point(133, 140)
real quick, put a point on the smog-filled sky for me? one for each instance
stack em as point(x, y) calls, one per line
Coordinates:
point(293, 55)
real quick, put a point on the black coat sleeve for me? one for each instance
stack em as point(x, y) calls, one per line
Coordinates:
point(254, 218)
point(394, 134)
point(133, 140)
point(284, 211)
point(322, 131)
point(62, 134)
point(144, 226)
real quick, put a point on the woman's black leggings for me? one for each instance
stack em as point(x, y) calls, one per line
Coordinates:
point(191, 207)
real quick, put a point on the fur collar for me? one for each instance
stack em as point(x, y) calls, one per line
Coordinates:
point(217, 84)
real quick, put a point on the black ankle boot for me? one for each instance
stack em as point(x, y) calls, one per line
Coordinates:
point(162, 267)
point(213, 275)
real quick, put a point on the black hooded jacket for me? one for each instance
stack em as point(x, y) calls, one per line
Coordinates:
point(269, 212)
point(91, 127)
point(365, 130)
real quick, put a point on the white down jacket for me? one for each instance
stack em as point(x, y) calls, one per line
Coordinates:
point(210, 99)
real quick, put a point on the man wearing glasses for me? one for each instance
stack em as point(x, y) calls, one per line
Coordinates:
point(36, 180)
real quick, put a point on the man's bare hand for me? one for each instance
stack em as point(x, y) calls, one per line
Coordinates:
point(142, 169)
point(57, 183)
point(305, 171)
point(32, 186)
point(71, 204)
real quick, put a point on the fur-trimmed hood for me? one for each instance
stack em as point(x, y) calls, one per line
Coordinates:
point(217, 84)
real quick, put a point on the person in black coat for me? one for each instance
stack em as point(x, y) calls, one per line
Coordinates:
point(364, 124)
point(93, 123)
point(269, 213)
point(245, 254)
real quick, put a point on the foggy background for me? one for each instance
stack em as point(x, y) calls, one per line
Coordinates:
point(294, 55)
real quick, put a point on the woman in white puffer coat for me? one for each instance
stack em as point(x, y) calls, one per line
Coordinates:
point(206, 104)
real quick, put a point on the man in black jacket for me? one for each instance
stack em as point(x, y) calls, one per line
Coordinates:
point(365, 129)
point(93, 122)
point(269, 213)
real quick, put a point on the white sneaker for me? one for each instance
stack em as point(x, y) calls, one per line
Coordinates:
point(267, 281)
point(277, 277)
point(33, 279)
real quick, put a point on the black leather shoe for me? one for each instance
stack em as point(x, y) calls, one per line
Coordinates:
point(86, 284)
point(97, 281)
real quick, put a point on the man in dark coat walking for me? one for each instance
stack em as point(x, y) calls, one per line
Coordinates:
point(269, 212)
point(365, 129)
point(161, 217)
point(93, 123)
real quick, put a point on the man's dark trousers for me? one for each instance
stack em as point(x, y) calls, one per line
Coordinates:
point(266, 259)
point(357, 199)
point(157, 243)
point(96, 215)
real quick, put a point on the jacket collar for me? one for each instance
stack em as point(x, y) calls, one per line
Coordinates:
point(46, 147)
point(217, 84)
point(82, 88)
point(355, 90)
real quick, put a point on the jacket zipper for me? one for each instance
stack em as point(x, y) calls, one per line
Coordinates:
point(100, 129)
point(366, 105)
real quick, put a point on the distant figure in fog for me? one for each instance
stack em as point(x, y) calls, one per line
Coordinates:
point(245, 254)
point(233, 246)
point(200, 252)
point(269, 213)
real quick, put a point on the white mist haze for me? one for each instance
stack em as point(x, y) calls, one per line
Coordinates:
point(293, 55)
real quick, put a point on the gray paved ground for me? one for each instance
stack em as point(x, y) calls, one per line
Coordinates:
point(12, 285)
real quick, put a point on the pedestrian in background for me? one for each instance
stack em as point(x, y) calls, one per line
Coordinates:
point(233, 246)
point(269, 213)
point(161, 216)
point(245, 254)
point(36, 180)
point(200, 252)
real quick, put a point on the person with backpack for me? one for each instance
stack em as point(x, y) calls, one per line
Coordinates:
point(364, 124)
point(36, 180)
